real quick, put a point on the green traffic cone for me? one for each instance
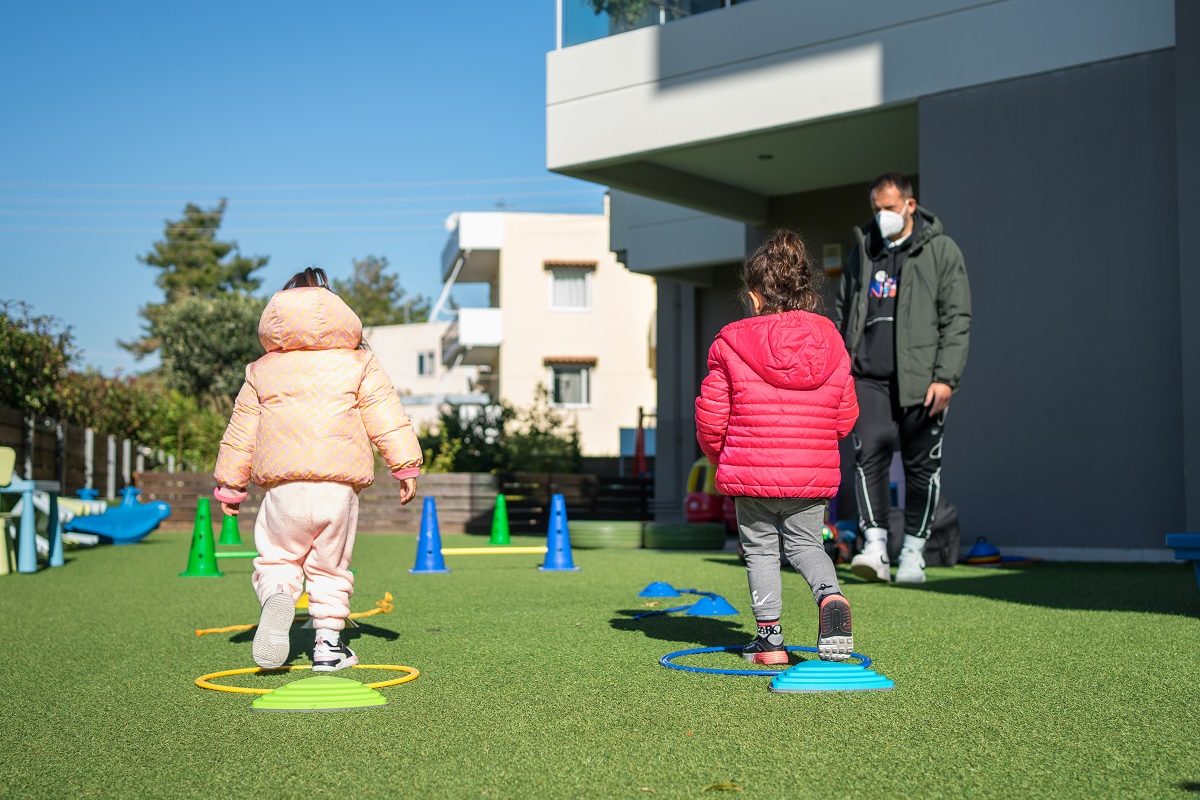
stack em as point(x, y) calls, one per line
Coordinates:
point(202, 558)
point(229, 531)
point(500, 522)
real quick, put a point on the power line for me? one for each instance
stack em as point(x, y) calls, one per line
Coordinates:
point(291, 202)
point(274, 186)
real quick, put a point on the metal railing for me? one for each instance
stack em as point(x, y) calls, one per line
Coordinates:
point(578, 21)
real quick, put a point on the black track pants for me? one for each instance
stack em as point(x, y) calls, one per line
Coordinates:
point(882, 424)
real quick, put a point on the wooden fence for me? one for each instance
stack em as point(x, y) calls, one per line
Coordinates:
point(465, 502)
point(75, 456)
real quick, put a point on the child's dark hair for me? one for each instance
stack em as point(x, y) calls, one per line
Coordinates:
point(310, 278)
point(781, 273)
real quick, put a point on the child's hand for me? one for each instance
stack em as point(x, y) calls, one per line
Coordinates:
point(231, 509)
point(408, 490)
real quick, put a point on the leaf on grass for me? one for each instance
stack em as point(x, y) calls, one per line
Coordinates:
point(724, 786)
point(651, 604)
point(647, 790)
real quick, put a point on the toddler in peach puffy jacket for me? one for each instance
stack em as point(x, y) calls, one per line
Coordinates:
point(302, 428)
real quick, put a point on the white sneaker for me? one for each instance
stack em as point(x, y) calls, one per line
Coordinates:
point(872, 563)
point(332, 657)
point(271, 640)
point(912, 561)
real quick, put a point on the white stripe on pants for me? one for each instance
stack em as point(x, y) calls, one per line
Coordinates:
point(305, 533)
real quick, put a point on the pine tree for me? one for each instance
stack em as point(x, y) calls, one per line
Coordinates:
point(192, 262)
point(377, 296)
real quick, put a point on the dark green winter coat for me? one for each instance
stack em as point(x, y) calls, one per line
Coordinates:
point(933, 308)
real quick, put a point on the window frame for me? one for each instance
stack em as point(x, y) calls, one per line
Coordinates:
point(588, 290)
point(585, 372)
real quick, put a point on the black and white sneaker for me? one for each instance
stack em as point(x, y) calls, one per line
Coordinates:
point(332, 657)
point(767, 647)
point(271, 642)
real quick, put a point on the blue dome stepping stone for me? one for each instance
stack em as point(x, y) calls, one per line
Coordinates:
point(830, 676)
point(659, 589)
point(714, 606)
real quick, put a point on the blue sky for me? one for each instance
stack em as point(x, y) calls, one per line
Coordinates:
point(335, 130)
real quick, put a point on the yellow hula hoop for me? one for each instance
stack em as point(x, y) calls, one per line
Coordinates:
point(205, 681)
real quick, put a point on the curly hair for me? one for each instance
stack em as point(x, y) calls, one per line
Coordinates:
point(781, 273)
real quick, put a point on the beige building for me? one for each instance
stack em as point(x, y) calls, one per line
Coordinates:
point(411, 355)
point(561, 313)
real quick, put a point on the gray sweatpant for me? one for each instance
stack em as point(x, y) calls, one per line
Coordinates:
point(762, 523)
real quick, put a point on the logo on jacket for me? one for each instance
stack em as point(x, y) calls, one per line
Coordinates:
point(883, 286)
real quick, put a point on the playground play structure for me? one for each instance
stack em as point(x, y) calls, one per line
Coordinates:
point(84, 520)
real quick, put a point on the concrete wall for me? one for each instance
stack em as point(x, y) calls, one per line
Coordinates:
point(397, 346)
point(1060, 190)
point(1187, 127)
point(653, 237)
point(722, 74)
point(615, 331)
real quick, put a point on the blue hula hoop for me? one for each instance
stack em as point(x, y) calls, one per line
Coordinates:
point(668, 661)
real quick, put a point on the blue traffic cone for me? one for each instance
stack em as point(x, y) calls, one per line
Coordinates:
point(711, 606)
point(558, 539)
point(658, 589)
point(429, 545)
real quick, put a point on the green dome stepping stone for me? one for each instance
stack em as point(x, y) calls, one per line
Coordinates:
point(320, 693)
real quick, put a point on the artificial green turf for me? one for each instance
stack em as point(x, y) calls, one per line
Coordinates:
point(1058, 680)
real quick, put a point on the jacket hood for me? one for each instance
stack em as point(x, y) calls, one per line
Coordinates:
point(792, 350)
point(308, 319)
point(930, 227)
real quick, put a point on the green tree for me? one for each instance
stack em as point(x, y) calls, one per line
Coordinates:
point(541, 440)
point(625, 12)
point(36, 352)
point(377, 296)
point(206, 342)
point(192, 262)
point(537, 438)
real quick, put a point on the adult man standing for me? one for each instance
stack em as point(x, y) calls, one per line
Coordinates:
point(904, 310)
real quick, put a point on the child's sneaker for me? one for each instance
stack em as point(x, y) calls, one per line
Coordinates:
point(835, 642)
point(330, 657)
point(767, 647)
point(271, 640)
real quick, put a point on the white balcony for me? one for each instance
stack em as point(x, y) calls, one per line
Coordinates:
point(476, 336)
point(476, 239)
point(724, 111)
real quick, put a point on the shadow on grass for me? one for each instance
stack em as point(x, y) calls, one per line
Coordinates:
point(300, 639)
point(703, 631)
point(1152, 588)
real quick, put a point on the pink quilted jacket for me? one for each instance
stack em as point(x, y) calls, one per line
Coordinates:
point(314, 404)
point(777, 398)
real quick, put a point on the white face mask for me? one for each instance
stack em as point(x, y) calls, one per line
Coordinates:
point(890, 223)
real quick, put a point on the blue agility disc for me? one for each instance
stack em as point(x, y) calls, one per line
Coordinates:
point(668, 661)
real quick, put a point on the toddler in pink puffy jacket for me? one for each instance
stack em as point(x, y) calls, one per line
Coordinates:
point(302, 428)
point(777, 399)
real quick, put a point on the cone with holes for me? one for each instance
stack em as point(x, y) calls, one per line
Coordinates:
point(558, 539)
point(430, 560)
point(202, 557)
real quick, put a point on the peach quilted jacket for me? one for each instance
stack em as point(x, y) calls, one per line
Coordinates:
point(313, 405)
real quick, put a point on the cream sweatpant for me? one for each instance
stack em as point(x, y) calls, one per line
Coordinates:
point(305, 533)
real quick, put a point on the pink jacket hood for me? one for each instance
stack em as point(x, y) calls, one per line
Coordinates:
point(795, 350)
point(308, 319)
point(777, 398)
